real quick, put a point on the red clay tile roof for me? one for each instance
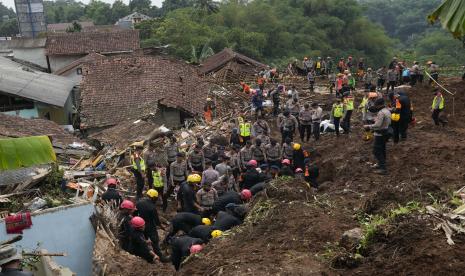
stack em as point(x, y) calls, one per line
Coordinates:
point(117, 89)
point(88, 42)
point(14, 126)
point(217, 61)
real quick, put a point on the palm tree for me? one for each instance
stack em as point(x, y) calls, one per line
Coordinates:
point(208, 6)
point(451, 13)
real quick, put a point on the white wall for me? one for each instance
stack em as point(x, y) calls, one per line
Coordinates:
point(73, 76)
point(58, 62)
point(34, 55)
point(62, 229)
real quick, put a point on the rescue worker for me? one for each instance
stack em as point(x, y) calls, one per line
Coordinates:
point(235, 139)
point(433, 71)
point(305, 120)
point(111, 194)
point(351, 82)
point(159, 181)
point(288, 125)
point(381, 129)
point(150, 159)
point(368, 79)
point(126, 210)
point(203, 232)
point(298, 156)
point(138, 169)
point(182, 247)
point(287, 149)
point(260, 127)
point(381, 74)
point(10, 262)
point(245, 130)
point(311, 174)
point(293, 93)
point(206, 196)
point(329, 66)
point(311, 80)
point(286, 169)
point(414, 73)
point(337, 112)
point(306, 64)
point(246, 155)
point(258, 152)
point(250, 177)
point(275, 95)
point(146, 209)
point(210, 175)
point(437, 107)
point(210, 153)
point(171, 150)
point(139, 243)
point(186, 195)
point(348, 110)
point(178, 174)
point(273, 153)
point(225, 220)
point(331, 82)
point(317, 114)
point(392, 79)
point(185, 222)
point(235, 160)
point(224, 168)
point(196, 160)
point(403, 108)
point(231, 197)
point(245, 87)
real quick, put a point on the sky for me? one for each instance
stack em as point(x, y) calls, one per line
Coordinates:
point(11, 3)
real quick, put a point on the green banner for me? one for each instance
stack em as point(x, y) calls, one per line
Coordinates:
point(25, 152)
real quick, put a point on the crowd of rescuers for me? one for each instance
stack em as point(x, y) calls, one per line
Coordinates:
point(211, 183)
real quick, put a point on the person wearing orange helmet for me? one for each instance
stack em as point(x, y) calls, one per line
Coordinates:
point(139, 244)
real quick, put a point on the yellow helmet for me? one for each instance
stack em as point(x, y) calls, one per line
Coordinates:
point(216, 233)
point(206, 221)
point(297, 146)
point(395, 117)
point(152, 193)
point(194, 178)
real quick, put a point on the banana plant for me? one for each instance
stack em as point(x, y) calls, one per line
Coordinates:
point(451, 13)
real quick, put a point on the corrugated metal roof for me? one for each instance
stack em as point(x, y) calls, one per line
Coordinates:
point(37, 86)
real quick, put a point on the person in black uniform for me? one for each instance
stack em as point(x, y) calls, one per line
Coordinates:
point(111, 194)
point(182, 247)
point(186, 195)
point(139, 245)
point(225, 221)
point(250, 177)
point(202, 232)
point(230, 197)
point(126, 210)
point(286, 169)
point(185, 221)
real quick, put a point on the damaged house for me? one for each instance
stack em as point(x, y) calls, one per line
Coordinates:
point(120, 89)
point(228, 66)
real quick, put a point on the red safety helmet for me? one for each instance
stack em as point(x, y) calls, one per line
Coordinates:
point(252, 163)
point(286, 162)
point(196, 248)
point(298, 170)
point(127, 204)
point(111, 181)
point(137, 222)
point(246, 194)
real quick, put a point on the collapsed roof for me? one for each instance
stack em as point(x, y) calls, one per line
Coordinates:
point(118, 89)
point(80, 43)
point(219, 60)
point(17, 80)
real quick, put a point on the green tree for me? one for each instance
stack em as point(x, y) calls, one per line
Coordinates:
point(451, 13)
point(207, 6)
point(74, 28)
point(99, 12)
point(142, 6)
point(63, 11)
point(6, 11)
point(119, 10)
point(9, 27)
point(171, 5)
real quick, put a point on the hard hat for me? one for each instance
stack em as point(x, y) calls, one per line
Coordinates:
point(252, 163)
point(298, 170)
point(196, 248)
point(395, 117)
point(209, 99)
point(246, 194)
point(152, 193)
point(369, 69)
point(286, 162)
point(112, 181)
point(206, 221)
point(297, 146)
point(127, 204)
point(137, 222)
point(194, 178)
point(216, 233)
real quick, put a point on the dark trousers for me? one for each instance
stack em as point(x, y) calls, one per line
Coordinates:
point(244, 140)
point(346, 122)
point(391, 84)
point(435, 76)
point(303, 129)
point(311, 85)
point(400, 130)
point(274, 163)
point(380, 84)
point(436, 117)
point(316, 130)
point(413, 80)
point(139, 183)
point(275, 108)
point(379, 151)
point(168, 193)
point(152, 234)
point(337, 122)
point(285, 134)
point(148, 174)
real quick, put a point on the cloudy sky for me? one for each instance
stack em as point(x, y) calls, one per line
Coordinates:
point(11, 3)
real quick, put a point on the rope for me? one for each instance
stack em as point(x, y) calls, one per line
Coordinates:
point(429, 76)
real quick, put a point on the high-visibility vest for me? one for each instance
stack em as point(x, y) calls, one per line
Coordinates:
point(441, 103)
point(318, 65)
point(244, 129)
point(363, 103)
point(157, 180)
point(338, 110)
point(141, 163)
point(349, 101)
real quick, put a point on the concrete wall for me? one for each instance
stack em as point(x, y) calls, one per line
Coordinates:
point(73, 76)
point(34, 55)
point(58, 62)
point(63, 229)
point(24, 113)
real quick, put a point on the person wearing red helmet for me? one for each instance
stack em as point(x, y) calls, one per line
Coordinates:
point(230, 197)
point(286, 169)
point(126, 209)
point(182, 247)
point(111, 194)
point(251, 176)
point(139, 244)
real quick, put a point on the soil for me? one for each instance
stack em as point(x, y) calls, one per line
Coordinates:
point(297, 236)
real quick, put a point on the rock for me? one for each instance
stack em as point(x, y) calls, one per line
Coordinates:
point(351, 238)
